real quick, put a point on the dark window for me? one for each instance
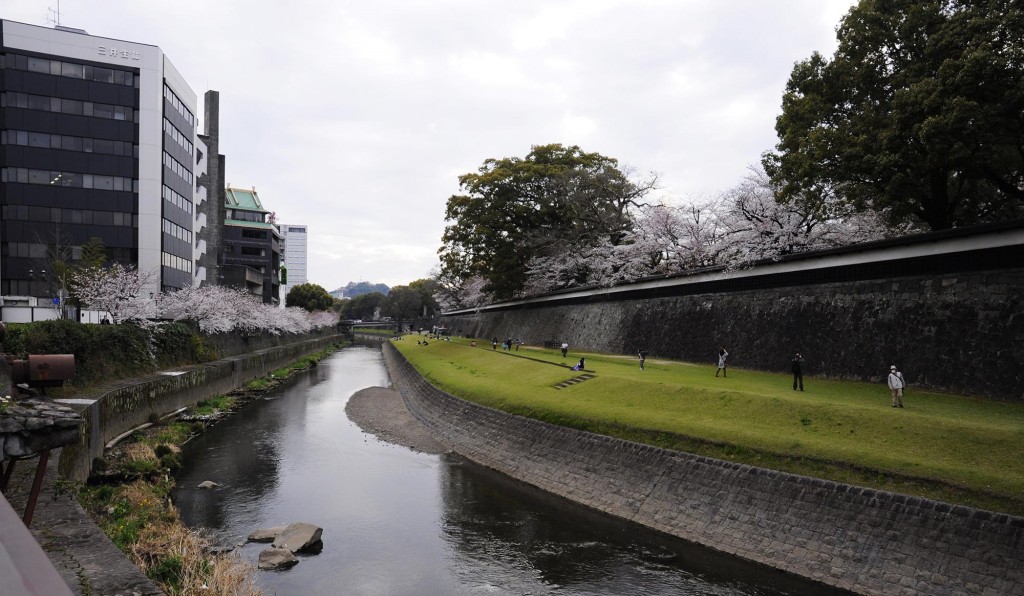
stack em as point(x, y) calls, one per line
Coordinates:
point(38, 139)
point(38, 102)
point(39, 65)
point(72, 70)
point(72, 106)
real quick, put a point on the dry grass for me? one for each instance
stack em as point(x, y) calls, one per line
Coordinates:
point(142, 522)
point(139, 452)
point(197, 573)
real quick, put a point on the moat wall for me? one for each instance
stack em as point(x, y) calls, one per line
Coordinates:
point(863, 540)
point(947, 308)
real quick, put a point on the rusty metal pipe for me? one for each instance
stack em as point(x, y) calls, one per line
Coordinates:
point(42, 370)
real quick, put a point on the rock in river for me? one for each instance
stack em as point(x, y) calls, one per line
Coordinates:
point(300, 538)
point(277, 558)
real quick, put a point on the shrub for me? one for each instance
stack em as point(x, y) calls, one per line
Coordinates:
point(170, 462)
point(168, 571)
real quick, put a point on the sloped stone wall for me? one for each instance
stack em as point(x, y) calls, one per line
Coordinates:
point(867, 541)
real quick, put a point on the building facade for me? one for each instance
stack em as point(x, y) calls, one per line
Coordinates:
point(251, 246)
point(97, 140)
point(294, 254)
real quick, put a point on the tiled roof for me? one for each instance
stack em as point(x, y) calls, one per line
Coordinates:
point(240, 198)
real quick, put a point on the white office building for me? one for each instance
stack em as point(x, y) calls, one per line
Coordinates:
point(98, 140)
point(294, 256)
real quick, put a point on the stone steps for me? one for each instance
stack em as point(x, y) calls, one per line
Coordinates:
point(574, 381)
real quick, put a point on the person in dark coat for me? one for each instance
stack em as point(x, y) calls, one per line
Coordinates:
point(798, 371)
point(642, 354)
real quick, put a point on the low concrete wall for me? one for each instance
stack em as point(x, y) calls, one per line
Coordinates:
point(867, 541)
point(234, 344)
point(131, 405)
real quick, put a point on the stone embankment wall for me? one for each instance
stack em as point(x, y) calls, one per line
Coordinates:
point(947, 308)
point(863, 540)
point(131, 405)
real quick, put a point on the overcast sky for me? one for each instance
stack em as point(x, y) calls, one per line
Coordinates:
point(356, 118)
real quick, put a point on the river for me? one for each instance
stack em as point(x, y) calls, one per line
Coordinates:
point(399, 522)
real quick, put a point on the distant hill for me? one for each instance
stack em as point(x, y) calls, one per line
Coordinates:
point(354, 289)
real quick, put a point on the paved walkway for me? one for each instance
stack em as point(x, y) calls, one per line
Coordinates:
point(85, 557)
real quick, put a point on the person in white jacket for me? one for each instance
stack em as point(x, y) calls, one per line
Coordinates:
point(896, 384)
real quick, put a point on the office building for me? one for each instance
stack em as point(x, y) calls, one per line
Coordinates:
point(251, 246)
point(294, 255)
point(97, 139)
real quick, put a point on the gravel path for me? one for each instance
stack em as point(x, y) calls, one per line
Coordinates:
point(381, 412)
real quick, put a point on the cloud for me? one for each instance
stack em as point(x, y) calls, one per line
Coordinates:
point(357, 118)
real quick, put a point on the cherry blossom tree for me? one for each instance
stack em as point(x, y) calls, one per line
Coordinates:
point(117, 290)
point(664, 240)
point(220, 309)
point(212, 308)
point(453, 293)
point(758, 227)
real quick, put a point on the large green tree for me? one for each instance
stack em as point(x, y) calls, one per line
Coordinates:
point(363, 306)
point(920, 114)
point(402, 303)
point(311, 297)
point(405, 303)
point(514, 209)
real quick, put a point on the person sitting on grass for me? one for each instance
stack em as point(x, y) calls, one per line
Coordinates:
point(580, 364)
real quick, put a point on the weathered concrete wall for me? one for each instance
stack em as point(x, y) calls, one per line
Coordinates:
point(233, 344)
point(952, 321)
point(130, 405)
point(867, 541)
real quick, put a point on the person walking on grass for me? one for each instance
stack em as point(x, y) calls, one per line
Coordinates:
point(896, 385)
point(642, 354)
point(798, 371)
point(565, 348)
point(722, 355)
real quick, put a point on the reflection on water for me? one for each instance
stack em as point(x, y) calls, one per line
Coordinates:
point(398, 522)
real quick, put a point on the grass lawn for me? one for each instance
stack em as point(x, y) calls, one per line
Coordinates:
point(374, 331)
point(949, 447)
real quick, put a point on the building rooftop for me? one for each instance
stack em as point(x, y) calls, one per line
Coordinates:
point(241, 198)
point(252, 224)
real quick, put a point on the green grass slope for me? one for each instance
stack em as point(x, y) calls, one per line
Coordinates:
point(949, 447)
